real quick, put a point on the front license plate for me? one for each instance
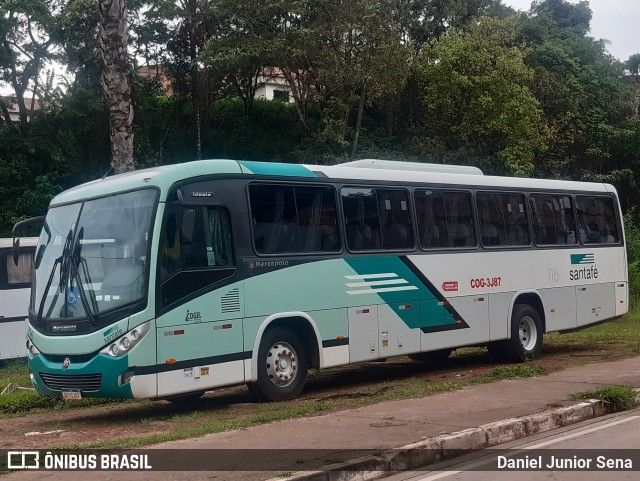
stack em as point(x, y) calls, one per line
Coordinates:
point(73, 394)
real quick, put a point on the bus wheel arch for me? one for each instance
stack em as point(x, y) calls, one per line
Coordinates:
point(526, 330)
point(292, 341)
point(534, 300)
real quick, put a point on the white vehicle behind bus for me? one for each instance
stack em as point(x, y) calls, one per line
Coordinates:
point(15, 288)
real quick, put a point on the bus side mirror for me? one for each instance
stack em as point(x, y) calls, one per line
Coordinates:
point(188, 226)
point(15, 251)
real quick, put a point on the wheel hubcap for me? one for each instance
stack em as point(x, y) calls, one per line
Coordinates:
point(282, 364)
point(528, 333)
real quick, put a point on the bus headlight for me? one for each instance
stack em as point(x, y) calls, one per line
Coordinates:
point(127, 342)
point(32, 349)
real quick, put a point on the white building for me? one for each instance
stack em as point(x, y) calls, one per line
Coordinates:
point(273, 86)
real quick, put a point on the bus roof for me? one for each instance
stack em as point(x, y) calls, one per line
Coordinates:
point(165, 176)
point(7, 243)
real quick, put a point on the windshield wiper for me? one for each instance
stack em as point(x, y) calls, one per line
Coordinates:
point(68, 262)
point(76, 261)
point(63, 276)
point(46, 290)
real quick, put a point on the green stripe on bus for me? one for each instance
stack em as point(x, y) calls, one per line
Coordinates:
point(268, 168)
point(418, 305)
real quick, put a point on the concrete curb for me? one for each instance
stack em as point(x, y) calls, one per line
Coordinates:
point(432, 450)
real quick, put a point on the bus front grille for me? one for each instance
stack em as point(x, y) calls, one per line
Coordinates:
point(83, 382)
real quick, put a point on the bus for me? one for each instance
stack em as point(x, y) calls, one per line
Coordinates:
point(168, 282)
point(15, 284)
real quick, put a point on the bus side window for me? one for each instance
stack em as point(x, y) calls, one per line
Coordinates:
point(171, 252)
point(444, 219)
point(502, 216)
point(597, 220)
point(552, 219)
point(219, 245)
point(293, 219)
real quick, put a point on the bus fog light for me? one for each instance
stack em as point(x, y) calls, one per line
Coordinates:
point(114, 350)
point(124, 343)
point(125, 377)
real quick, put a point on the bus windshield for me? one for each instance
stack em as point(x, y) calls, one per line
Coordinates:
point(92, 257)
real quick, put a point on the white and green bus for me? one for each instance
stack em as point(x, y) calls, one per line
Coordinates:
point(168, 282)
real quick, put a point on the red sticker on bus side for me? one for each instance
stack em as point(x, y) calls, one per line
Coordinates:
point(450, 286)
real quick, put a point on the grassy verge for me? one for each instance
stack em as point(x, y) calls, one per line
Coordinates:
point(618, 398)
point(329, 390)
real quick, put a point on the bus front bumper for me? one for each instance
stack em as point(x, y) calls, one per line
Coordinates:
point(102, 376)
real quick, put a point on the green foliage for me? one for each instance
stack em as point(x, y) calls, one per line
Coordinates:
point(475, 93)
point(22, 402)
point(632, 237)
point(633, 64)
point(457, 81)
point(617, 398)
point(516, 372)
point(271, 131)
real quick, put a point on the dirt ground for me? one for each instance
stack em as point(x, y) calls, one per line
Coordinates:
point(72, 427)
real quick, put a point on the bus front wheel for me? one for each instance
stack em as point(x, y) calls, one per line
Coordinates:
point(526, 336)
point(282, 366)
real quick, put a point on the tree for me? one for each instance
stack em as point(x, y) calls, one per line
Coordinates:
point(580, 87)
point(113, 46)
point(633, 66)
point(429, 20)
point(27, 40)
point(565, 15)
point(474, 87)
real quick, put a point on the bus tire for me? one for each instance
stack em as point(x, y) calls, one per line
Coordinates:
point(526, 334)
point(440, 355)
point(282, 366)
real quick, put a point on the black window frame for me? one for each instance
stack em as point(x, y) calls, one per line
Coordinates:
point(386, 187)
point(525, 194)
point(177, 281)
point(338, 214)
point(616, 219)
point(473, 214)
point(572, 197)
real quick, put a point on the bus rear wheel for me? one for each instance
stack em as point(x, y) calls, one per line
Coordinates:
point(282, 366)
point(526, 336)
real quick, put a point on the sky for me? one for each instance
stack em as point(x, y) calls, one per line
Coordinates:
point(616, 21)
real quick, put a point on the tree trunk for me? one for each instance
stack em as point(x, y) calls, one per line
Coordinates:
point(115, 81)
point(356, 137)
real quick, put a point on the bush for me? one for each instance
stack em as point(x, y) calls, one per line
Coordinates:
point(632, 234)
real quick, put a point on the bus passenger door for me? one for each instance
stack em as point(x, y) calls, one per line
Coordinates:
point(200, 332)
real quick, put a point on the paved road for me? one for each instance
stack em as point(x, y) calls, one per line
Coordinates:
point(336, 436)
point(582, 450)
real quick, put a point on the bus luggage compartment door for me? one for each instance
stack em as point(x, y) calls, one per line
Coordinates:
point(363, 333)
point(595, 303)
